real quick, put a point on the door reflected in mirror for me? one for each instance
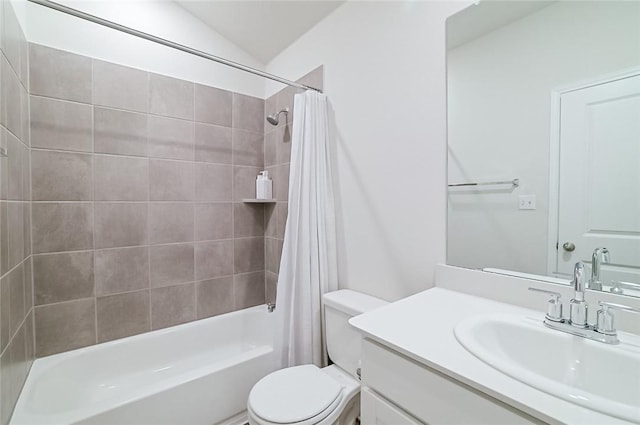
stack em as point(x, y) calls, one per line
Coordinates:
point(547, 93)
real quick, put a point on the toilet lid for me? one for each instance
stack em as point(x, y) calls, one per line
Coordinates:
point(293, 394)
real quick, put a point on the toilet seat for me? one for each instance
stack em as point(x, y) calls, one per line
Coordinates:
point(300, 395)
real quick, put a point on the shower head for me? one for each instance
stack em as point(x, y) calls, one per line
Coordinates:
point(273, 119)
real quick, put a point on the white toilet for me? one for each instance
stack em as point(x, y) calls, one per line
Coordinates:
point(306, 395)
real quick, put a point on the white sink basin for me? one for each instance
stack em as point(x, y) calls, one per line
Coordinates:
point(597, 376)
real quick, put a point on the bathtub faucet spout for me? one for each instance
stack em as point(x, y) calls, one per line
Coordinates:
point(271, 307)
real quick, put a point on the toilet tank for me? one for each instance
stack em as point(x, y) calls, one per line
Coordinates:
point(343, 341)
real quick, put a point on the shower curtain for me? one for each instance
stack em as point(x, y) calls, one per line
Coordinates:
point(309, 265)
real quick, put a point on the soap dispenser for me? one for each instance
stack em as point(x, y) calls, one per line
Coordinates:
point(264, 186)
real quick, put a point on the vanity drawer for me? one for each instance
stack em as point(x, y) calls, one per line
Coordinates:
point(429, 395)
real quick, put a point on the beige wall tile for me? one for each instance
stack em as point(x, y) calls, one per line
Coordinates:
point(283, 144)
point(65, 326)
point(4, 171)
point(248, 255)
point(248, 220)
point(170, 138)
point(170, 222)
point(8, 399)
point(213, 143)
point(170, 97)
point(273, 252)
point(121, 178)
point(214, 221)
point(15, 150)
point(214, 259)
point(28, 284)
point(59, 74)
point(171, 180)
point(172, 305)
point(270, 147)
point(214, 297)
point(244, 182)
point(12, 38)
point(61, 176)
point(121, 224)
point(4, 237)
point(120, 87)
point(123, 315)
point(121, 270)
point(248, 112)
point(213, 105)
point(18, 355)
point(281, 182)
point(16, 298)
point(5, 312)
point(248, 147)
point(12, 98)
point(213, 182)
point(270, 286)
point(119, 132)
point(282, 210)
point(58, 124)
point(30, 338)
point(270, 229)
point(171, 264)
point(15, 221)
point(62, 227)
point(63, 277)
point(248, 290)
point(26, 222)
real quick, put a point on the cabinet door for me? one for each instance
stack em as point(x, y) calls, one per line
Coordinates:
point(432, 396)
point(377, 411)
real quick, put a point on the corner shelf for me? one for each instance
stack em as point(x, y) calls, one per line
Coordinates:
point(259, 201)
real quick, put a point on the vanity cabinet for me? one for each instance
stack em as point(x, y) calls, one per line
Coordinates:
point(376, 410)
point(397, 390)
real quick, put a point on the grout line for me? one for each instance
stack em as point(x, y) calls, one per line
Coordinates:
point(195, 264)
point(132, 111)
point(39, 306)
point(148, 125)
point(93, 198)
point(150, 158)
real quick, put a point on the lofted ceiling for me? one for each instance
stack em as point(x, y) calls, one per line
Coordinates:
point(486, 16)
point(261, 28)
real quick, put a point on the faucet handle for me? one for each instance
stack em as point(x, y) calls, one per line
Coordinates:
point(554, 306)
point(605, 317)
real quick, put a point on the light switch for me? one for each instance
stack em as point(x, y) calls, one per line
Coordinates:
point(527, 202)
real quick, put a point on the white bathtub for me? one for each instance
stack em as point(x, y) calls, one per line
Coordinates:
point(196, 373)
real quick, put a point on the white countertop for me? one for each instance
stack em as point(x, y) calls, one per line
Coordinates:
point(421, 328)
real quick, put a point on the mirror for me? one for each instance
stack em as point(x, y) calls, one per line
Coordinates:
point(544, 140)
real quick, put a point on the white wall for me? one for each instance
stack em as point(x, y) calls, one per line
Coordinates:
point(161, 18)
point(499, 109)
point(385, 78)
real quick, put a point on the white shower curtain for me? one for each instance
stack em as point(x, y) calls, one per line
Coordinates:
point(309, 265)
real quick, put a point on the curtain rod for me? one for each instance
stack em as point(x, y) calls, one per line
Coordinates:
point(109, 24)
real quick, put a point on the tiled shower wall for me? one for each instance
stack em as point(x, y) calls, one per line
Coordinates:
point(16, 305)
point(137, 188)
point(277, 155)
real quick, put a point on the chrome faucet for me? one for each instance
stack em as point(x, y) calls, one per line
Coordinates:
point(600, 256)
point(603, 330)
point(577, 306)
